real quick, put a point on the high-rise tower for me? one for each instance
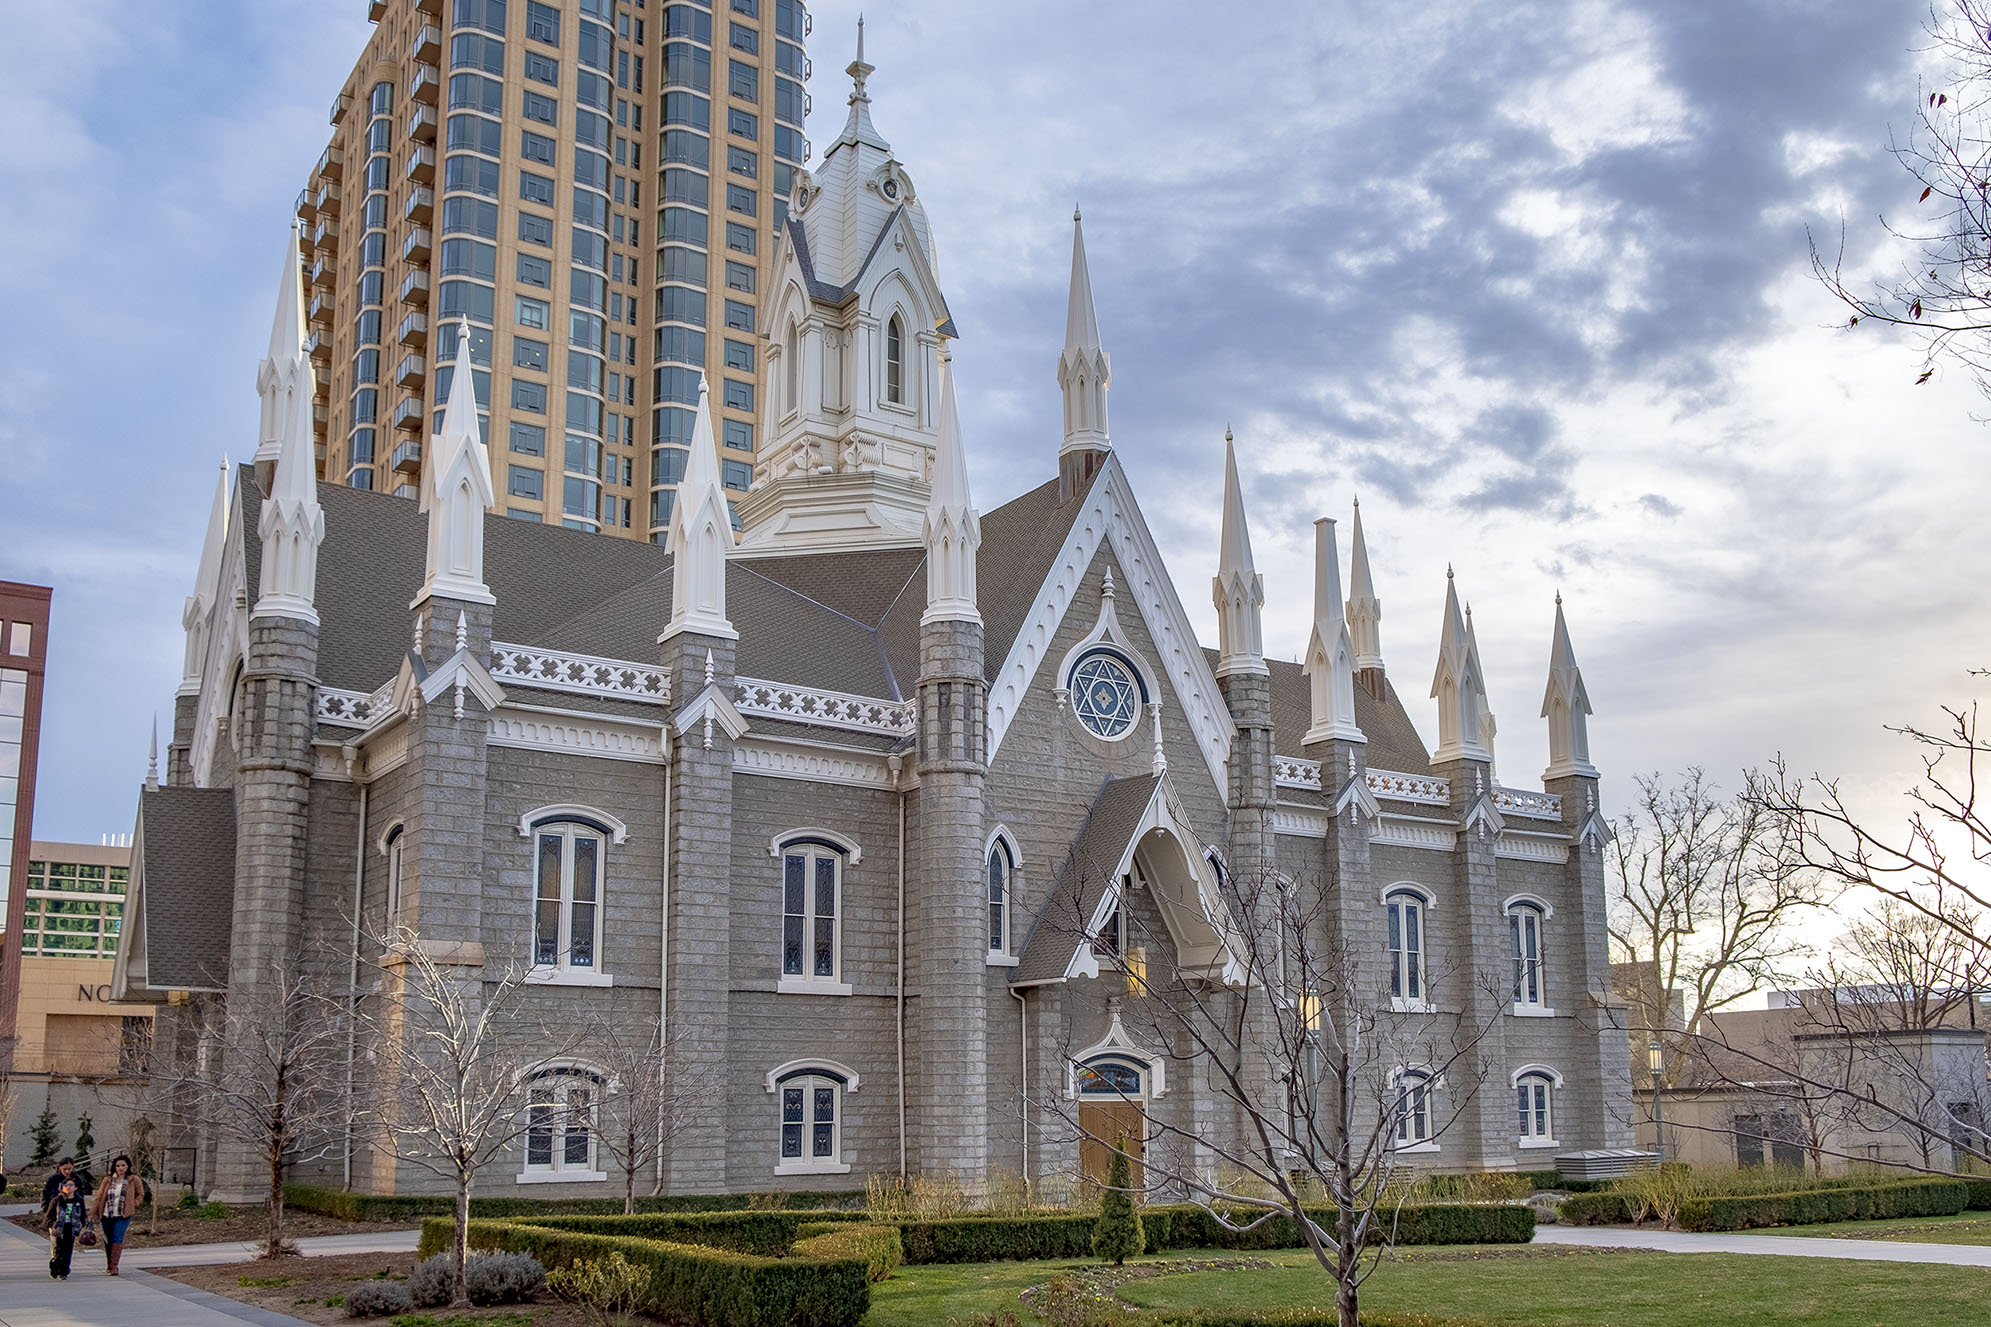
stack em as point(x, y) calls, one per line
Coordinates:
point(594, 185)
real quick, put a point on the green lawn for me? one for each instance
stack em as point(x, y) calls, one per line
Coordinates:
point(1974, 1228)
point(1514, 1287)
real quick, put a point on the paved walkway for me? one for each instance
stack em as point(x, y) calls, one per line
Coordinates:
point(90, 1299)
point(1788, 1246)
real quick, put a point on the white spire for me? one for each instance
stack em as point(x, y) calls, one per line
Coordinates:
point(1487, 725)
point(857, 127)
point(152, 760)
point(701, 535)
point(1239, 591)
point(953, 530)
point(292, 524)
point(1084, 369)
point(1365, 611)
point(1330, 663)
point(207, 585)
point(1566, 705)
point(277, 375)
point(456, 492)
point(1456, 686)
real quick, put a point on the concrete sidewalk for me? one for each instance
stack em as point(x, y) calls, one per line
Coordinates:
point(28, 1298)
point(1788, 1246)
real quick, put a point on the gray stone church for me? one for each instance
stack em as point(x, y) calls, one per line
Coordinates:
point(876, 795)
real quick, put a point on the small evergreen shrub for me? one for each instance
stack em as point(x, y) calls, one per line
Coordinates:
point(607, 1289)
point(377, 1299)
point(502, 1278)
point(1117, 1235)
point(1595, 1209)
point(879, 1246)
point(432, 1285)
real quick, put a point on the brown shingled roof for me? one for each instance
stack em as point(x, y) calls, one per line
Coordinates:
point(186, 874)
point(1083, 879)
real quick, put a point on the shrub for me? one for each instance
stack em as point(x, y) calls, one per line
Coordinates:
point(1805, 1207)
point(1979, 1199)
point(432, 1285)
point(502, 1278)
point(407, 1208)
point(607, 1289)
point(376, 1299)
point(1117, 1235)
point(878, 1246)
point(212, 1211)
point(1608, 1208)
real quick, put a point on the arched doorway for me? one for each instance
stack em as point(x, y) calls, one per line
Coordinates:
point(1112, 1106)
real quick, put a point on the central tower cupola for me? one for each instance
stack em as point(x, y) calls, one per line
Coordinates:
point(856, 325)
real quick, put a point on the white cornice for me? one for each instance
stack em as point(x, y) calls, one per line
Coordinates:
point(597, 735)
point(1110, 515)
point(776, 758)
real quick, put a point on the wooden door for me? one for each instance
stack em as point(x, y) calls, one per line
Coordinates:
point(1101, 1126)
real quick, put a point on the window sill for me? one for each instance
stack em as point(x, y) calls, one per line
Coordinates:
point(812, 1168)
point(1532, 1011)
point(567, 977)
point(812, 986)
point(1399, 1005)
point(1004, 960)
point(563, 1177)
point(1409, 1149)
point(1527, 1143)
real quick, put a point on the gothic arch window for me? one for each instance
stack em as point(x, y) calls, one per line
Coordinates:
point(809, 1102)
point(394, 846)
point(1527, 922)
point(791, 368)
point(569, 854)
point(562, 1122)
point(1406, 907)
point(895, 360)
point(812, 875)
point(1534, 1099)
point(1001, 880)
point(1410, 1107)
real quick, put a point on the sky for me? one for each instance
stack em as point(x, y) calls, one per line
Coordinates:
point(1529, 278)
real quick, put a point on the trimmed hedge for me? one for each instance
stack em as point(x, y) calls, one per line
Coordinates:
point(695, 1283)
point(1980, 1195)
point(1877, 1202)
point(1288, 1318)
point(1595, 1209)
point(765, 1234)
point(878, 1246)
point(349, 1206)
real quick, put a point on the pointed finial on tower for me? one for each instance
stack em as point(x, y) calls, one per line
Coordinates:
point(1566, 705)
point(1365, 611)
point(700, 538)
point(1487, 725)
point(292, 524)
point(277, 376)
point(953, 527)
point(207, 585)
point(858, 69)
point(457, 491)
point(1456, 685)
point(1084, 369)
point(152, 760)
point(1238, 589)
point(1330, 665)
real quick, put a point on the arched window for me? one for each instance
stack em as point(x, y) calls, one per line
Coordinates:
point(1002, 870)
point(1411, 1106)
point(791, 367)
point(1119, 1080)
point(1534, 1099)
point(1406, 944)
point(1524, 926)
point(895, 361)
point(561, 1119)
point(396, 847)
point(811, 1105)
point(811, 908)
point(566, 914)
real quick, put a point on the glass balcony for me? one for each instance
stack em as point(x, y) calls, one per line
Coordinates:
point(324, 271)
point(331, 163)
point(339, 105)
point(325, 235)
point(320, 308)
point(306, 204)
point(422, 163)
point(426, 84)
point(412, 372)
point(422, 123)
point(421, 204)
point(414, 330)
point(415, 249)
point(408, 455)
point(328, 199)
point(319, 345)
point(427, 46)
point(408, 415)
point(433, 8)
point(415, 290)
point(376, 10)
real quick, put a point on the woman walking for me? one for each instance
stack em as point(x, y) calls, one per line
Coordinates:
point(66, 1219)
point(118, 1197)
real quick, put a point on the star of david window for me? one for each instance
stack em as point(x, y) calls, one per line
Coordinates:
point(1106, 694)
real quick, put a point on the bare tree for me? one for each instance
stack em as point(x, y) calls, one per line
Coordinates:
point(454, 1051)
point(1942, 293)
point(267, 1076)
point(651, 1096)
point(1703, 898)
point(1327, 1079)
point(1903, 968)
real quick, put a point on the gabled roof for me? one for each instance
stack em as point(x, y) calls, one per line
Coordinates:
point(1393, 740)
point(1087, 873)
point(182, 887)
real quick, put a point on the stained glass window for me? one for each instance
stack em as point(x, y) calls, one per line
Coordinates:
point(1106, 695)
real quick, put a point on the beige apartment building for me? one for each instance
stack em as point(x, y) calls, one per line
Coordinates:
point(595, 186)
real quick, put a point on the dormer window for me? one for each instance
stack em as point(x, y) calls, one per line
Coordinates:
point(895, 361)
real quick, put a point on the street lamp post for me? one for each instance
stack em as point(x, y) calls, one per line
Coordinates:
point(1654, 1061)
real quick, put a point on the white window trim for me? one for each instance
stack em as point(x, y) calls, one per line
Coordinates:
point(791, 984)
point(847, 854)
point(603, 1085)
point(394, 847)
point(541, 975)
point(1555, 1086)
point(1411, 1004)
point(1432, 1082)
point(1540, 906)
point(853, 852)
point(531, 820)
point(1007, 956)
point(819, 1068)
point(562, 972)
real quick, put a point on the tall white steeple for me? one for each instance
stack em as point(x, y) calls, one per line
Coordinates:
point(1566, 705)
point(1487, 726)
point(207, 586)
point(1330, 666)
point(292, 525)
point(1238, 589)
point(278, 375)
point(700, 538)
point(456, 492)
point(953, 529)
point(1365, 610)
point(1456, 686)
point(1084, 369)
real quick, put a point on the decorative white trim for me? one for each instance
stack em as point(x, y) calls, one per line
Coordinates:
point(849, 847)
point(393, 827)
point(792, 985)
point(1530, 847)
point(781, 758)
point(1411, 1148)
point(1298, 824)
point(1531, 1011)
point(793, 1067)
point(1514, 1079)
point(1409, 832)
point(825, 708)
point(1402, 1004)
point(996, 960)
point(1292, 772)
point(538, 816)
point(551, 976)
point(1116, 1042)
point(1533, 805)
point(598, 735)
point(1001, 833)
point(1529, 1144)
point(1410, 787)
point(385, 753)
point(354, 709)
point(560, 1177)
point(812, 1168)
point(1535, 901)
point(587, 674)
point(1408, 887)
point(1111, 516)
